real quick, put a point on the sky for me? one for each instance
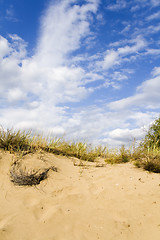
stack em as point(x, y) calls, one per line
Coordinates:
point(86, 70)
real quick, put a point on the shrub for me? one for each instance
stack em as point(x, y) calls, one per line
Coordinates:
point(149, 160)
point(152, 138)
point(147, 155)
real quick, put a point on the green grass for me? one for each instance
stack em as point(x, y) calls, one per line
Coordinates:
point(147, 155)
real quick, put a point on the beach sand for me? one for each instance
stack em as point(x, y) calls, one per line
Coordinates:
point(113, 202)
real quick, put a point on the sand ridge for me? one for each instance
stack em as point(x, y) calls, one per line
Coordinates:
point(118, 202)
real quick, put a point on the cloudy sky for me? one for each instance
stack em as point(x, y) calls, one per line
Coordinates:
point(89, 70)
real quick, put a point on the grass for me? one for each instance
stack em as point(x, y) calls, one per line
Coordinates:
point(116, 156)
point(21, 177)
point(13, 141)
point(148, 159)
point(24, 142)
point(146, 156)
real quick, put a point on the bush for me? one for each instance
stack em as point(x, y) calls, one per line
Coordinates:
point(150, 161)
point(152, 139)
point(147, 155)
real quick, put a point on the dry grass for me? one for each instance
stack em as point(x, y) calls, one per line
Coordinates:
point(12, 140)
point(146, 155)
point(24, 142)
point(21, 177)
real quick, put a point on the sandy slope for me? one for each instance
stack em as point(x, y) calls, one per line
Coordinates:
point(118, 202)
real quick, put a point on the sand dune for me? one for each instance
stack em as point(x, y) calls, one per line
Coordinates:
point(118, 202)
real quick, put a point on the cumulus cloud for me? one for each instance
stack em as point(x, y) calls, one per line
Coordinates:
point(47, 75)
point(35, 86)
point(62, 29)
point(126, 134)
point(37, 89)
point(146, 96)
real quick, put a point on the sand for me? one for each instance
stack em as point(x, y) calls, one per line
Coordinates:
point(113, 202)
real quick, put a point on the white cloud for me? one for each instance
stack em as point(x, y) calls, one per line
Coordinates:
point(4, 47)
point(63, 28)
point(10, 14)
point(156, 71)
point(118, 76)
point(152, 29)
point(35, 87)
point(110, 59)
point(11, 56)
point(46, 79)
point(115, 57)
point(120, 4)
point(47, 76)
point(152, 52)
point(127, 135)
point(146, 3)
point(155, 3)
point(15, 94)
point(153, 16)
point(147, 96)
point(138, 44)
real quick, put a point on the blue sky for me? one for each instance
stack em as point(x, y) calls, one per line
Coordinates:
point(89, 70)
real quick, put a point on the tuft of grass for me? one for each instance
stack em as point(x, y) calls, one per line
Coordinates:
point(14, 141)
point(101, 151)
point(121, 155)
point(21, 177)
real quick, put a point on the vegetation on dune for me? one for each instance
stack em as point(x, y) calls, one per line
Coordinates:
point(23, 142)
point(121, 155)
point(21, 177)
point(152, 138)
point(12, 140)
point(146, 155)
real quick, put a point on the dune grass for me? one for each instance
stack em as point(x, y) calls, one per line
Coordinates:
point(14, 141)
point(23, 142)
point(121, 155)
point(146, 155)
